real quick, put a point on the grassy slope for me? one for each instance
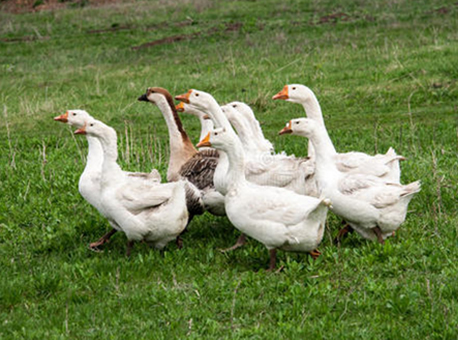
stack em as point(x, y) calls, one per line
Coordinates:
point(385, 76)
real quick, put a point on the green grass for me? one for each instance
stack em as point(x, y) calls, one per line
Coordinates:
point(385, 74)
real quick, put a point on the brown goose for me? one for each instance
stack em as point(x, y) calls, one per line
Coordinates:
point(198, 167)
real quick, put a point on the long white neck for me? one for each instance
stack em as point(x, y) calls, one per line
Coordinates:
point(220, 176)
point(244, 133)
point(217, 115)
point(258, 136)
point(262, 143)
point(220, 121)
point(312, 108)
point(110, 167)
point(181, 147)
point(206, 125)
point(94, 159)
point(325, 167)
point(313, 111)
point(236, 169)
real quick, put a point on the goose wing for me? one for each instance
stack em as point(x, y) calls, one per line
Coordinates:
point(280, 206)
point(135, 197)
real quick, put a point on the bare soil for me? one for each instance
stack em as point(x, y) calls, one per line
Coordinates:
point(22, 6)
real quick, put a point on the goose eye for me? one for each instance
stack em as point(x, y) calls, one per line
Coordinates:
point(197, 95)
point(294, 88)
point(74, 113)
point(234, 105)
point(216, 133)
point(297, 123)
point(92, 124)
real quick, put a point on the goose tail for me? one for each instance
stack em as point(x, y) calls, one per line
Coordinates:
point(411, 188)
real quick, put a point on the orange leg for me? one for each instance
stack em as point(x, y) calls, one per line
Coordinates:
point(347, 229)
point(273, 259)
point(240, 242)
point(104, 239)
point(130, 245)
point(378, 232)
point(315, 253)
point(179, 242)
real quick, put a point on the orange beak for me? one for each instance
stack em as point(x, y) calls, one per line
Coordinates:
point(81, 131)
point(180, 107)
point(283, 94)
point(62, 118)
point(286, 129)
point(184, 97)
point(205, 141)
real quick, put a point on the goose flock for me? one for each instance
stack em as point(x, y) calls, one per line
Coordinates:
point(277, 199)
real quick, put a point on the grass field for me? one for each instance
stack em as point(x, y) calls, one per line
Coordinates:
point(385, 74)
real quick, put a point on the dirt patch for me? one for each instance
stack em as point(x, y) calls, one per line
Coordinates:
point(166, 40)
point(115, 28)
point(339, 17)
point(233, 27)
point(22, 6)
point(442, 10)
point(230, 27)
point(333, 18)
point(111, 29)
point(24, 38)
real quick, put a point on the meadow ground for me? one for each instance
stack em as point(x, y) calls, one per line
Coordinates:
point(385, 74)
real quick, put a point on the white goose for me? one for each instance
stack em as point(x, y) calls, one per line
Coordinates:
point(276, 217)
point(374, 207)
point(89, 182)
point(185, 161)
point(264, 145)
point(385, 166)
point(155, 213)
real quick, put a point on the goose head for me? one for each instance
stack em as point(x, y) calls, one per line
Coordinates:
point(96, 128)
point(243, 109)
point(238, 122)
point(200, 99)
point(295, 93)
point(157, 95)
point(229, 111)
point(218, 138)
point(301, 127)
point(74, 118)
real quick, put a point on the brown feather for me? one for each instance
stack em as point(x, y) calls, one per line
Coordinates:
point(200, 169)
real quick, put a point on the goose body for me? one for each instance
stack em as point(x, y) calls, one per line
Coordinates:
point(276, 217)
point(373, 206)
point(146, 210)
point(385, 166)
